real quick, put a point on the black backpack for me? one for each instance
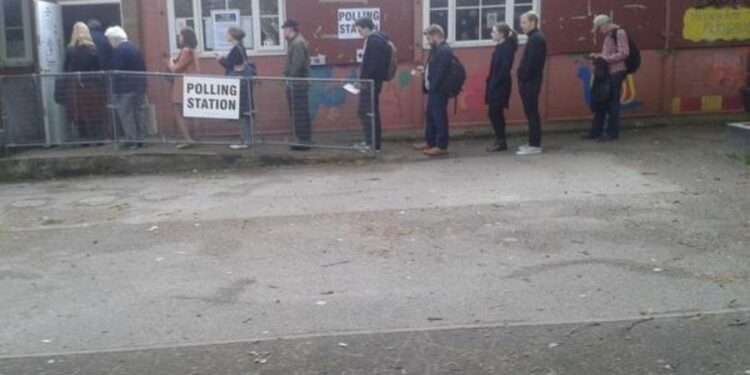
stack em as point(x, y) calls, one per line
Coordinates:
point(454, 82)
point(633, 62)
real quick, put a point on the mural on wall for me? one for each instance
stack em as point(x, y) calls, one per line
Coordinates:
point(710, 24)
point(327, 95)
point(629, 99)
point(717, 87)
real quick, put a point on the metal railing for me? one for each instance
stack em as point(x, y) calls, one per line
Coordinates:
point(135, 109)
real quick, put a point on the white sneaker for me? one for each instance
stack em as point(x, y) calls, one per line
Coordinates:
point(239, 147)
point(362, 147)
point(529, 150)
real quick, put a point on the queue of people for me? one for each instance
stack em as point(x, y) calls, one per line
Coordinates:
point(92, 50)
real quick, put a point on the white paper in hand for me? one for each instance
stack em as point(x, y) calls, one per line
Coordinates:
point(354, 90)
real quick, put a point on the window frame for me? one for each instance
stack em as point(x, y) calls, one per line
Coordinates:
point(452, 18)
point(28, 58)
point(258, 48)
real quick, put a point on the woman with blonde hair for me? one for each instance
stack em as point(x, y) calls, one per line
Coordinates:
point(86, 100)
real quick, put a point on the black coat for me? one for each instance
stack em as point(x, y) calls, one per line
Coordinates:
point(81, 59)
point(439, 66)
point(601, 88)
point(103, 49)
point(534, 58)
point(377, 58)
point(127, 58)
point(500, 81)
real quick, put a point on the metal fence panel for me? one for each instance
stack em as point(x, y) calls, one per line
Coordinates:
point(129, 108)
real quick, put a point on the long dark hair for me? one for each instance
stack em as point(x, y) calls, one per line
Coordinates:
point(189, 39)
point(510, 35)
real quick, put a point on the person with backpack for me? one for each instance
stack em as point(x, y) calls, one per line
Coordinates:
point(500, 82)
point(438, 90)
point(379, 65)
point(615, 51)
point(530, 78)
point(298, 87)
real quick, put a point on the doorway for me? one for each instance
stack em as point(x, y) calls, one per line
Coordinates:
point(108, 12)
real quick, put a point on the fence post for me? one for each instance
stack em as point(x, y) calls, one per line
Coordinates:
point(373, 121)
point(113, 109)
point(251, 114)
point(3, 119)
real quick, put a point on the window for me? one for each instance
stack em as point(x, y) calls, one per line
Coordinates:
point(15, 33)
point(260, 19)
point(469, 22)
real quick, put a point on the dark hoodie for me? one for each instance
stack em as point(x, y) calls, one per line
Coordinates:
point(377, 58)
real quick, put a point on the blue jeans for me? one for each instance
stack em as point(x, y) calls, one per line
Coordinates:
point(612, 114)
point(436, 129)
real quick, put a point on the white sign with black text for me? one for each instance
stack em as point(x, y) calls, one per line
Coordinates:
point(213, 98)
point(348, 17)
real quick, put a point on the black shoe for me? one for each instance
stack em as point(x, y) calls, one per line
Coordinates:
point(590, 137)
point(498, 147)
point(300, 148)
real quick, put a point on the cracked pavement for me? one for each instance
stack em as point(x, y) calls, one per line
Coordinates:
point(472, 264)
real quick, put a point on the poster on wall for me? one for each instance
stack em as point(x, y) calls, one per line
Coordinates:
point(347, 18)
point(714, 24)
point(221, 21)
point(211, 98)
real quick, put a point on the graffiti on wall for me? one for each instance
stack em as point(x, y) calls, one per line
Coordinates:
point(629, 99)
point(710, 24)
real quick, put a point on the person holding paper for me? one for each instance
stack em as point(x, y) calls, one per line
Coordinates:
point(298, 88)
point(375, 65)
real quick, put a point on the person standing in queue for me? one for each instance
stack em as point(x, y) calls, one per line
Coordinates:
point(86, 100)
point(437, 133)
point(236, 64)
point(530, 79)
point(129, 87)
point(298, 87)
point(615, 52)
point(500, 82)
point(375, 65)
point(103, 48)
point(185, 63)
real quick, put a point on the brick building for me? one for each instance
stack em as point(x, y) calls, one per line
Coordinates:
point(695, 54)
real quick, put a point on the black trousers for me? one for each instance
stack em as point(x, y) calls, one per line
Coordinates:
point(298, 96)
point(369, 105)
point(612, 114)
point(497, 117)
point(437, 133)
point(530, 96)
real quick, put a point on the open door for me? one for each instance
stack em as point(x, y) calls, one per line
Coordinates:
point(50, 49)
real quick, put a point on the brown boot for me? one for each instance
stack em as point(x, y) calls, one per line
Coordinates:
point(435, 152)
point(421, 146)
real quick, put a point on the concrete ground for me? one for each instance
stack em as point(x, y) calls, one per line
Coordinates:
point(626, 258)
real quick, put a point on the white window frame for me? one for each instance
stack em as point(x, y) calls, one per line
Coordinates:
point(509, 19)
point(258, 48)
point(28, 59)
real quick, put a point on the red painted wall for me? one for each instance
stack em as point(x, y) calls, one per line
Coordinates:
point(691, 78)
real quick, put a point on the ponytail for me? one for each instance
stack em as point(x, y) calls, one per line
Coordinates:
point(510, 35)
point(513, 39)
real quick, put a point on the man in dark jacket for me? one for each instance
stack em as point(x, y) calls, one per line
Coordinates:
point(438, 69)
point(103, 48)
point(375, 65)
point(530, 78)
point(129, 89)
point(298, 89)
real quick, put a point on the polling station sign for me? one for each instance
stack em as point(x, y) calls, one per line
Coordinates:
point(347, 18)
point(213, 98)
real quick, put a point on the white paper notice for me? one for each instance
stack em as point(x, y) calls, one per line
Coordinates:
point(354, 90)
